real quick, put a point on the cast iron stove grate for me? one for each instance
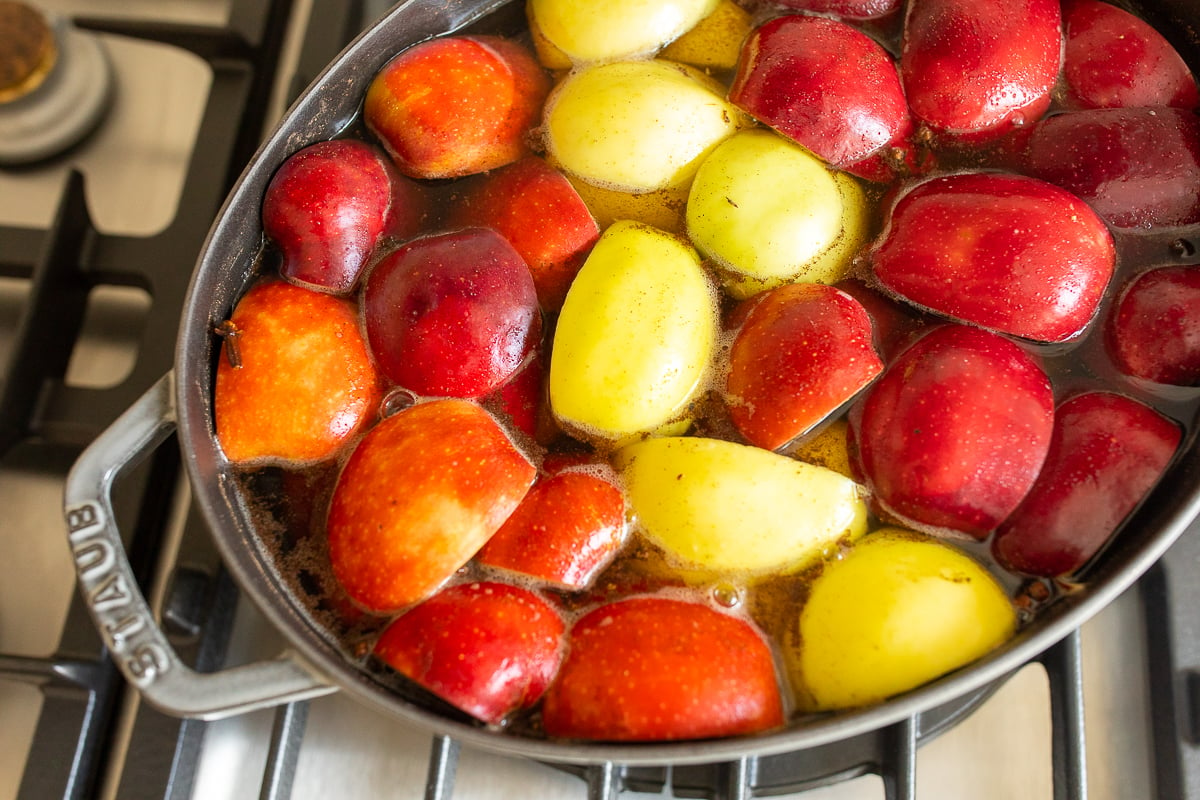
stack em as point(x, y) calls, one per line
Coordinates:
point(45, 423)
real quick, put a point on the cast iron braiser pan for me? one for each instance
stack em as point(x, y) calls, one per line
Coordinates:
point(182, 402)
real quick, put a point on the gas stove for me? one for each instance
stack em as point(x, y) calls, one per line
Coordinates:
point(96, 248)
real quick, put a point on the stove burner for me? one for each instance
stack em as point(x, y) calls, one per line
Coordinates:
point(27, 50)
point(55, 84)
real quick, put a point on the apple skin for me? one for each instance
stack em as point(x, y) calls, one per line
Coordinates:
point(1107, 453)
point(895, 324)
point(305, 385)
point(723, 510)
point(419, 495)
point(766, 211)
point(521, 400)
point(1136, 167)
point(538, 211)
point(569, 527)
point(976, 69)
point(800, 352)
point(825, 85)
point(894, 612)
point(329, 205)
point(487, 648)
point(658, 668)
point(1006, 252)
point(1113, 59)
point(950, 439)
point(1150, 331)
point(572, 33)
point(858, 10)
point(636, 126)
point(635, 339)
point(456, 105)
point(451, 314)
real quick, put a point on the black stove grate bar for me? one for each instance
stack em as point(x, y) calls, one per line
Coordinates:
point(79, 684)
point(202, 40)
point(1170, 598)
point(62, 671)
point(287, 734)
point(51, 319)
point(79, 693)
point(1064, 668)
point(254, 36)
point(899, 760)
point(198, 611)
point(36, 402)
point(443, 761)
point(71, 743)
point(331, 26)
point(604, 780)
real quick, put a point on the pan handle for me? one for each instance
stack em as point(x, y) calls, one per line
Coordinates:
point(122, 615)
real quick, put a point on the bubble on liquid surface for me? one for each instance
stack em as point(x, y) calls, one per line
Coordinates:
point(727, 595)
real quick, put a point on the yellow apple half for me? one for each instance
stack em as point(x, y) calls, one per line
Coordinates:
point(635, 336)
point(897, 611)
point(728, 508)
point(636, 126)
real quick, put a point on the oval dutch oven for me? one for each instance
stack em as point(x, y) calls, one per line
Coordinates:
point(182, 402)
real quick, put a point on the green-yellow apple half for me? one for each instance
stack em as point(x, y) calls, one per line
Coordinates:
point(768, 212)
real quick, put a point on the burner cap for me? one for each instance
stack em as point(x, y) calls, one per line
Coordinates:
point(55, 84)
point(27, 50)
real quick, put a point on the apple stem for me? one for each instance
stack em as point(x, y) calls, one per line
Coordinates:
point(228, 331)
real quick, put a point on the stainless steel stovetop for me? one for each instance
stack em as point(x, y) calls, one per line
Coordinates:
point(134, 168)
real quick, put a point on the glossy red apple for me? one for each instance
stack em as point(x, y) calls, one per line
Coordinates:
point(1114, 59)
point(1108, 451)
point(486, 648)
point(895, 324)
point(1152, 329)
point(1006, 252)
point(801, 351)
point(452, 314)
point(950, 439)
point(295, 382)
point(569, 527)
point(456, 105)
point(974, 69)
point(659, 668)
point(1137, 167)
point(418, 496)
point(329, 205)
point(538, 211)
point(521, 401)
point(825, 85)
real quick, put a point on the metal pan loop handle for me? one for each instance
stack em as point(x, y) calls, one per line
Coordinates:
point(128, 626)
